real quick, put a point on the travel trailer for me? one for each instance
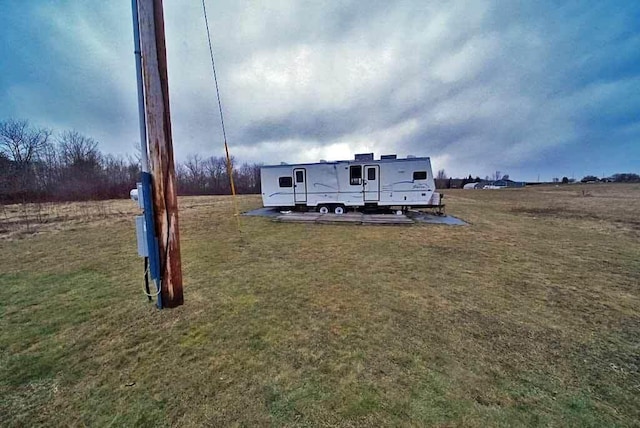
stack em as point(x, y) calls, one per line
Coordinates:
point(362, 182)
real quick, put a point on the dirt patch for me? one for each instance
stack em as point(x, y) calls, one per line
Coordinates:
point(573, 214)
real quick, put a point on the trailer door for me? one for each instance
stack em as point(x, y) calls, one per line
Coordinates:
point(300, 185)
point(371, 183)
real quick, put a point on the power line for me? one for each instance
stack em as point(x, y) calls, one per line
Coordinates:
point(224, 133)
point(213, 66)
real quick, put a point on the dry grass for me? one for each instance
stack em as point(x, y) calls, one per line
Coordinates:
point(527, 317)
point(20, 220)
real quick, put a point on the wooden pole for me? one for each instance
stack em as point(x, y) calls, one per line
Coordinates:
point(165, 199)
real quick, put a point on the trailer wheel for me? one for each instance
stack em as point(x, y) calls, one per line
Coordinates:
point(323, 209)
point(339, 209)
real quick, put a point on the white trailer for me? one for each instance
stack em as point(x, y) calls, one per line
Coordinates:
point(363, 182)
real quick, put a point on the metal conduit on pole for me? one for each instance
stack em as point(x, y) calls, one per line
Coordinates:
point(153, 258)
point(144, 157)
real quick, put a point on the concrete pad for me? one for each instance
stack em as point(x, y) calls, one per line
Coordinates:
point(385, 219)
point(340, 218)
point(412, 216)
point(299, 217)
point(354, 218)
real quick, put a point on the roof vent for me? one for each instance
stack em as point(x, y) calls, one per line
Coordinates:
point(383, 157)
point(410, 157)
point(323, 161)
point(283, 163)
point(364, 156)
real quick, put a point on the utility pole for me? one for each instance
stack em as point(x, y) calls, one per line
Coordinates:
point(158, 124)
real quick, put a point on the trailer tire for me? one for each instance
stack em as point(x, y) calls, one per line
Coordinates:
point(323, 209)
point(338, 209)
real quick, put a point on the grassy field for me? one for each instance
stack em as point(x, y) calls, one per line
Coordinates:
point(529, 316)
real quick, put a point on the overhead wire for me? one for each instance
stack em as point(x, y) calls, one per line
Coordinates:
point(224, 133)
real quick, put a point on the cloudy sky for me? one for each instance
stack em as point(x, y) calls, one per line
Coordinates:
point(527, 88)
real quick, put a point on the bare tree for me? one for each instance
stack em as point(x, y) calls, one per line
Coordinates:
point(497, 176)
point(77, 150)
point(47, 169)
point(216, 170)
point(255, 172)
point(6, 176)
point(82, 172)
point(248, 178)
point(442, 175)
point(196, 173)
point(21, 142)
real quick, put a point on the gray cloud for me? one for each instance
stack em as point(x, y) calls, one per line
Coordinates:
point(478, 86)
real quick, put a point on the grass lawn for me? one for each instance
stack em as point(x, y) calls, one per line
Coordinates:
point(529, 316)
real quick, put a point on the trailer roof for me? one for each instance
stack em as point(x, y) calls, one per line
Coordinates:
point(348, 162)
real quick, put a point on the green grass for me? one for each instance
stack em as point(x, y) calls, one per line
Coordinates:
point(529, 316)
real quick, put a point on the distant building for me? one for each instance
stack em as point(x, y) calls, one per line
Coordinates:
point(509, 183)
point(463, 183)
point(497, 184)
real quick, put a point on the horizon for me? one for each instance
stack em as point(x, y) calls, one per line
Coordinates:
point(529, 89)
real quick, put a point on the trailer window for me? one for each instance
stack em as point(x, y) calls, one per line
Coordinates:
point(355, 174)
point(419, 175)
point(299, 176)
point(285, 182)
point(371, 174)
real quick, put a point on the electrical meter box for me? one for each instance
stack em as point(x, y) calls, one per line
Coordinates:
point(137, 195)
point(141, 234)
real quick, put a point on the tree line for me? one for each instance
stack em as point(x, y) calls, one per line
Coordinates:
point(39, 165)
